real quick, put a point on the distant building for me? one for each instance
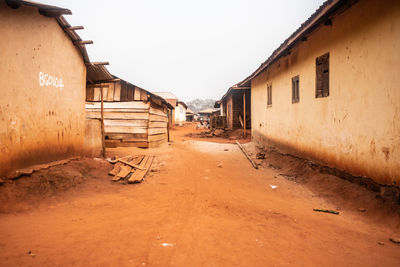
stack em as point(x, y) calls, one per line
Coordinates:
point(206, 114)
point(189, 115)
point(232, 107)
point(178, 114)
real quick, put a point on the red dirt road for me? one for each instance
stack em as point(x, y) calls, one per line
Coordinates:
point(193, 213)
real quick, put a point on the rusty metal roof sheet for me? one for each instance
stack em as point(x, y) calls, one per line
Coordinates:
point(183, 104)
point(152, 95)
point(45, 10)
point(320, 17)
point(95, 73)
point(166, 95)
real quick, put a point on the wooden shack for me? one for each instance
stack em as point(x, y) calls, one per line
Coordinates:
point(132, 116)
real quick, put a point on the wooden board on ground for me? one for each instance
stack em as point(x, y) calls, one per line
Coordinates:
point(138, 175)
point(116, 169)
point(125, 170)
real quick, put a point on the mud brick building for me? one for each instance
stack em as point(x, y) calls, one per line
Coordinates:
point(44, 68)
point(331, 91)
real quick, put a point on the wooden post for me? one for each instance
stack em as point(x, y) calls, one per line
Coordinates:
point(103, 145)
point(244, 113)
point(169, 115)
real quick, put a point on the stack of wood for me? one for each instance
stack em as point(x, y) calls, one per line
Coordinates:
point(132, 169)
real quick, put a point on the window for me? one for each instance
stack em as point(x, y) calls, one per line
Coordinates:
point(322, 76)
point(269, 95)
point(295, 89)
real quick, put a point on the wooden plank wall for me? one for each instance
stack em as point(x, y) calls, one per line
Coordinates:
point(125, 123)
point(129, 119)
point(115, 91)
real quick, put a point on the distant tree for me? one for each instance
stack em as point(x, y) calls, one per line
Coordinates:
point(199, 104)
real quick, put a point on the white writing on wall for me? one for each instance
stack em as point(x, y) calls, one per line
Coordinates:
point(49, 80)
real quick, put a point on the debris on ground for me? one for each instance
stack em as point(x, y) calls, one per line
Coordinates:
point(31, 254)
point(260, 155)
point(273, 186)
point(133, 169)
point(288, 176)
point(395, 240)
point(327, 211)
point(167, 245)
point(35, 168)
point(221, 133)
point(247, 155)
point(381, 243)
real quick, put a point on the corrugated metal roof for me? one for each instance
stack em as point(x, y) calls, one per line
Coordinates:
point(321, 16)
point(183, 104)
point(95, 73)
point(235, 87)
point(152, 95)
point(45, 10)
point(166, 95)
point(208, 111)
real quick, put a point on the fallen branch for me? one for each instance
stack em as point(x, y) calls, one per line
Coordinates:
point(327, 211)
point(247, 156)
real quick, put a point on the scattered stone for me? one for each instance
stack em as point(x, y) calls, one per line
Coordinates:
point(381, 243)
point(273, 186)
point(31, 254)
point(395, 240)
point(219, 165)
point(218, 132)
point(362, 209)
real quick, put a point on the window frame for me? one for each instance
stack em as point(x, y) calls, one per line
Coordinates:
point(322, 76)
point(295, 89)
point(269, 95)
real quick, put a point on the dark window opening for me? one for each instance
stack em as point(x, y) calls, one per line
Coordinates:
point(322, 76)
point(295, 89)
point(269, 95)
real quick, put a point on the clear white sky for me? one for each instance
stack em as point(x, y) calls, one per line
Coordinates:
point(195, 49)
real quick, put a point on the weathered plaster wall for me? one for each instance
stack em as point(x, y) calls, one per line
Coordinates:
point(38, 123)
point(357, 127)
point(180, 114)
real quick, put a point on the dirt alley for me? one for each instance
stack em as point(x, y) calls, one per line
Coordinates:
point(193, 213)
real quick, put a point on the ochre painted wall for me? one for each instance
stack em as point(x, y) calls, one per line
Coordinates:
point(38, 123)
point(357, 127)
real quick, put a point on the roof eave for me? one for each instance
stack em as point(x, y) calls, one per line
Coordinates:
point(318, 18)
